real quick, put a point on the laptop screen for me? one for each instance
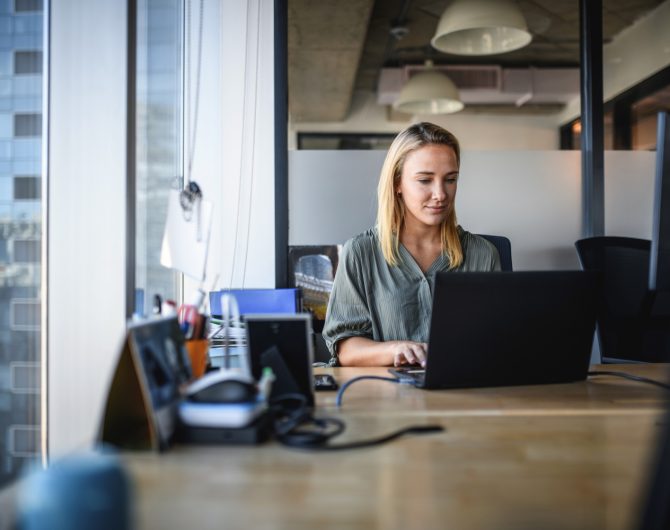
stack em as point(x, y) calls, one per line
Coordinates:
point(510, 328)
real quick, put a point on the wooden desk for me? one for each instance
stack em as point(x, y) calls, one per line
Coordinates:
point(547, 457)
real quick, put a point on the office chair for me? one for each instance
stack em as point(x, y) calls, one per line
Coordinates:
point(504, 248)
point(627, 329)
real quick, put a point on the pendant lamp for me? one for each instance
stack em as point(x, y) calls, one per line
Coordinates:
point(481, 27)
point(429, 92)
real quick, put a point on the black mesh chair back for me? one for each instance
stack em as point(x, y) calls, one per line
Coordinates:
point(627, 331)
point(504, 249)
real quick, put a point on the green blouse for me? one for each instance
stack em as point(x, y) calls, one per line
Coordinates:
point(372, 299)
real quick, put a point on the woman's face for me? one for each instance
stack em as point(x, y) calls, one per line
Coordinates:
point(428, 184)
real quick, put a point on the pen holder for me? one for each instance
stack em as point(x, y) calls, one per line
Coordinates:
point(197, 353)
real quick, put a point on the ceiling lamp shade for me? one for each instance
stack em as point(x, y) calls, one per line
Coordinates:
point(429, 92)
point(481, 27)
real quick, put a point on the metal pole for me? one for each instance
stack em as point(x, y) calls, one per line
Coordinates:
point(591, 90)
point(281, 142)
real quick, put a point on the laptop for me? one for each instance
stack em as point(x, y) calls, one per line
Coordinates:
point(508, 328)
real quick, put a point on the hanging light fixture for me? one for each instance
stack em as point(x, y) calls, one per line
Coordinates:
point(429, 92)
point(481, 27)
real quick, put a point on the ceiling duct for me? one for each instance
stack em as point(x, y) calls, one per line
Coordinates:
point(492, 85)
point(466, 77)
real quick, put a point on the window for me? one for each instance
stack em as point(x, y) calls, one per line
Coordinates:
point(27, 6)
point(25, 377)
point(27, 125)
point(21, 110)
point(28, 62)
point(27, 188)
point(27, 251)
point(24, 315)
point(159, 142)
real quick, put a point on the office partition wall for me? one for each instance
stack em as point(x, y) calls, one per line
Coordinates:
point(532, 197)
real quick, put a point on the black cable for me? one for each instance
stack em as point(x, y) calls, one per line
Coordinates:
point(632, 377)
point(413, 429)
point(340, 393)
point(296, 426)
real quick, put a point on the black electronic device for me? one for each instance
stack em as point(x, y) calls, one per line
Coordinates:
point(508, 328)
point(325, 382)
point(284, 343)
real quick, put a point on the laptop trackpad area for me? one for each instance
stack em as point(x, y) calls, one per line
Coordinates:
point(409, 375)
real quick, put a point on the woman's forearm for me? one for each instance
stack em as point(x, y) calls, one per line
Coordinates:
point(360, 351)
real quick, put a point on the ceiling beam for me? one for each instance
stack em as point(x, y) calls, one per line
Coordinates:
point(325, 41)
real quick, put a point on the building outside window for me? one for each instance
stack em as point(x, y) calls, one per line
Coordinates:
point(159, 141)
point(21, 110)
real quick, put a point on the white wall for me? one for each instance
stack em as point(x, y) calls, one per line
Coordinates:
point(86, 201)
point(475, 130)
point(532, 197)
point(635, 54)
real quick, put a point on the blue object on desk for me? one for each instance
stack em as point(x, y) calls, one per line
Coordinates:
point(77, 493)
point(258, 300)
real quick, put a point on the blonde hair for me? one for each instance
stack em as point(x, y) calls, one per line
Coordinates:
point(391, 209)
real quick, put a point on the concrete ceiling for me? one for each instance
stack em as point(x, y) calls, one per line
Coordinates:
point(337, 46)
point(325, 40)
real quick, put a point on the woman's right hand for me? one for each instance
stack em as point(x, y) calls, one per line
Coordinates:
point(408, 352)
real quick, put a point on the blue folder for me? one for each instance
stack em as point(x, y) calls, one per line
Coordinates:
point(258, 300)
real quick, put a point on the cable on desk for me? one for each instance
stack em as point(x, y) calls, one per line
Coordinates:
point(631, 377)
point(297, 427)
point(340, 393)
point(412, 429)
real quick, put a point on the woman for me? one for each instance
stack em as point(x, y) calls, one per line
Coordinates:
point(380, 306)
